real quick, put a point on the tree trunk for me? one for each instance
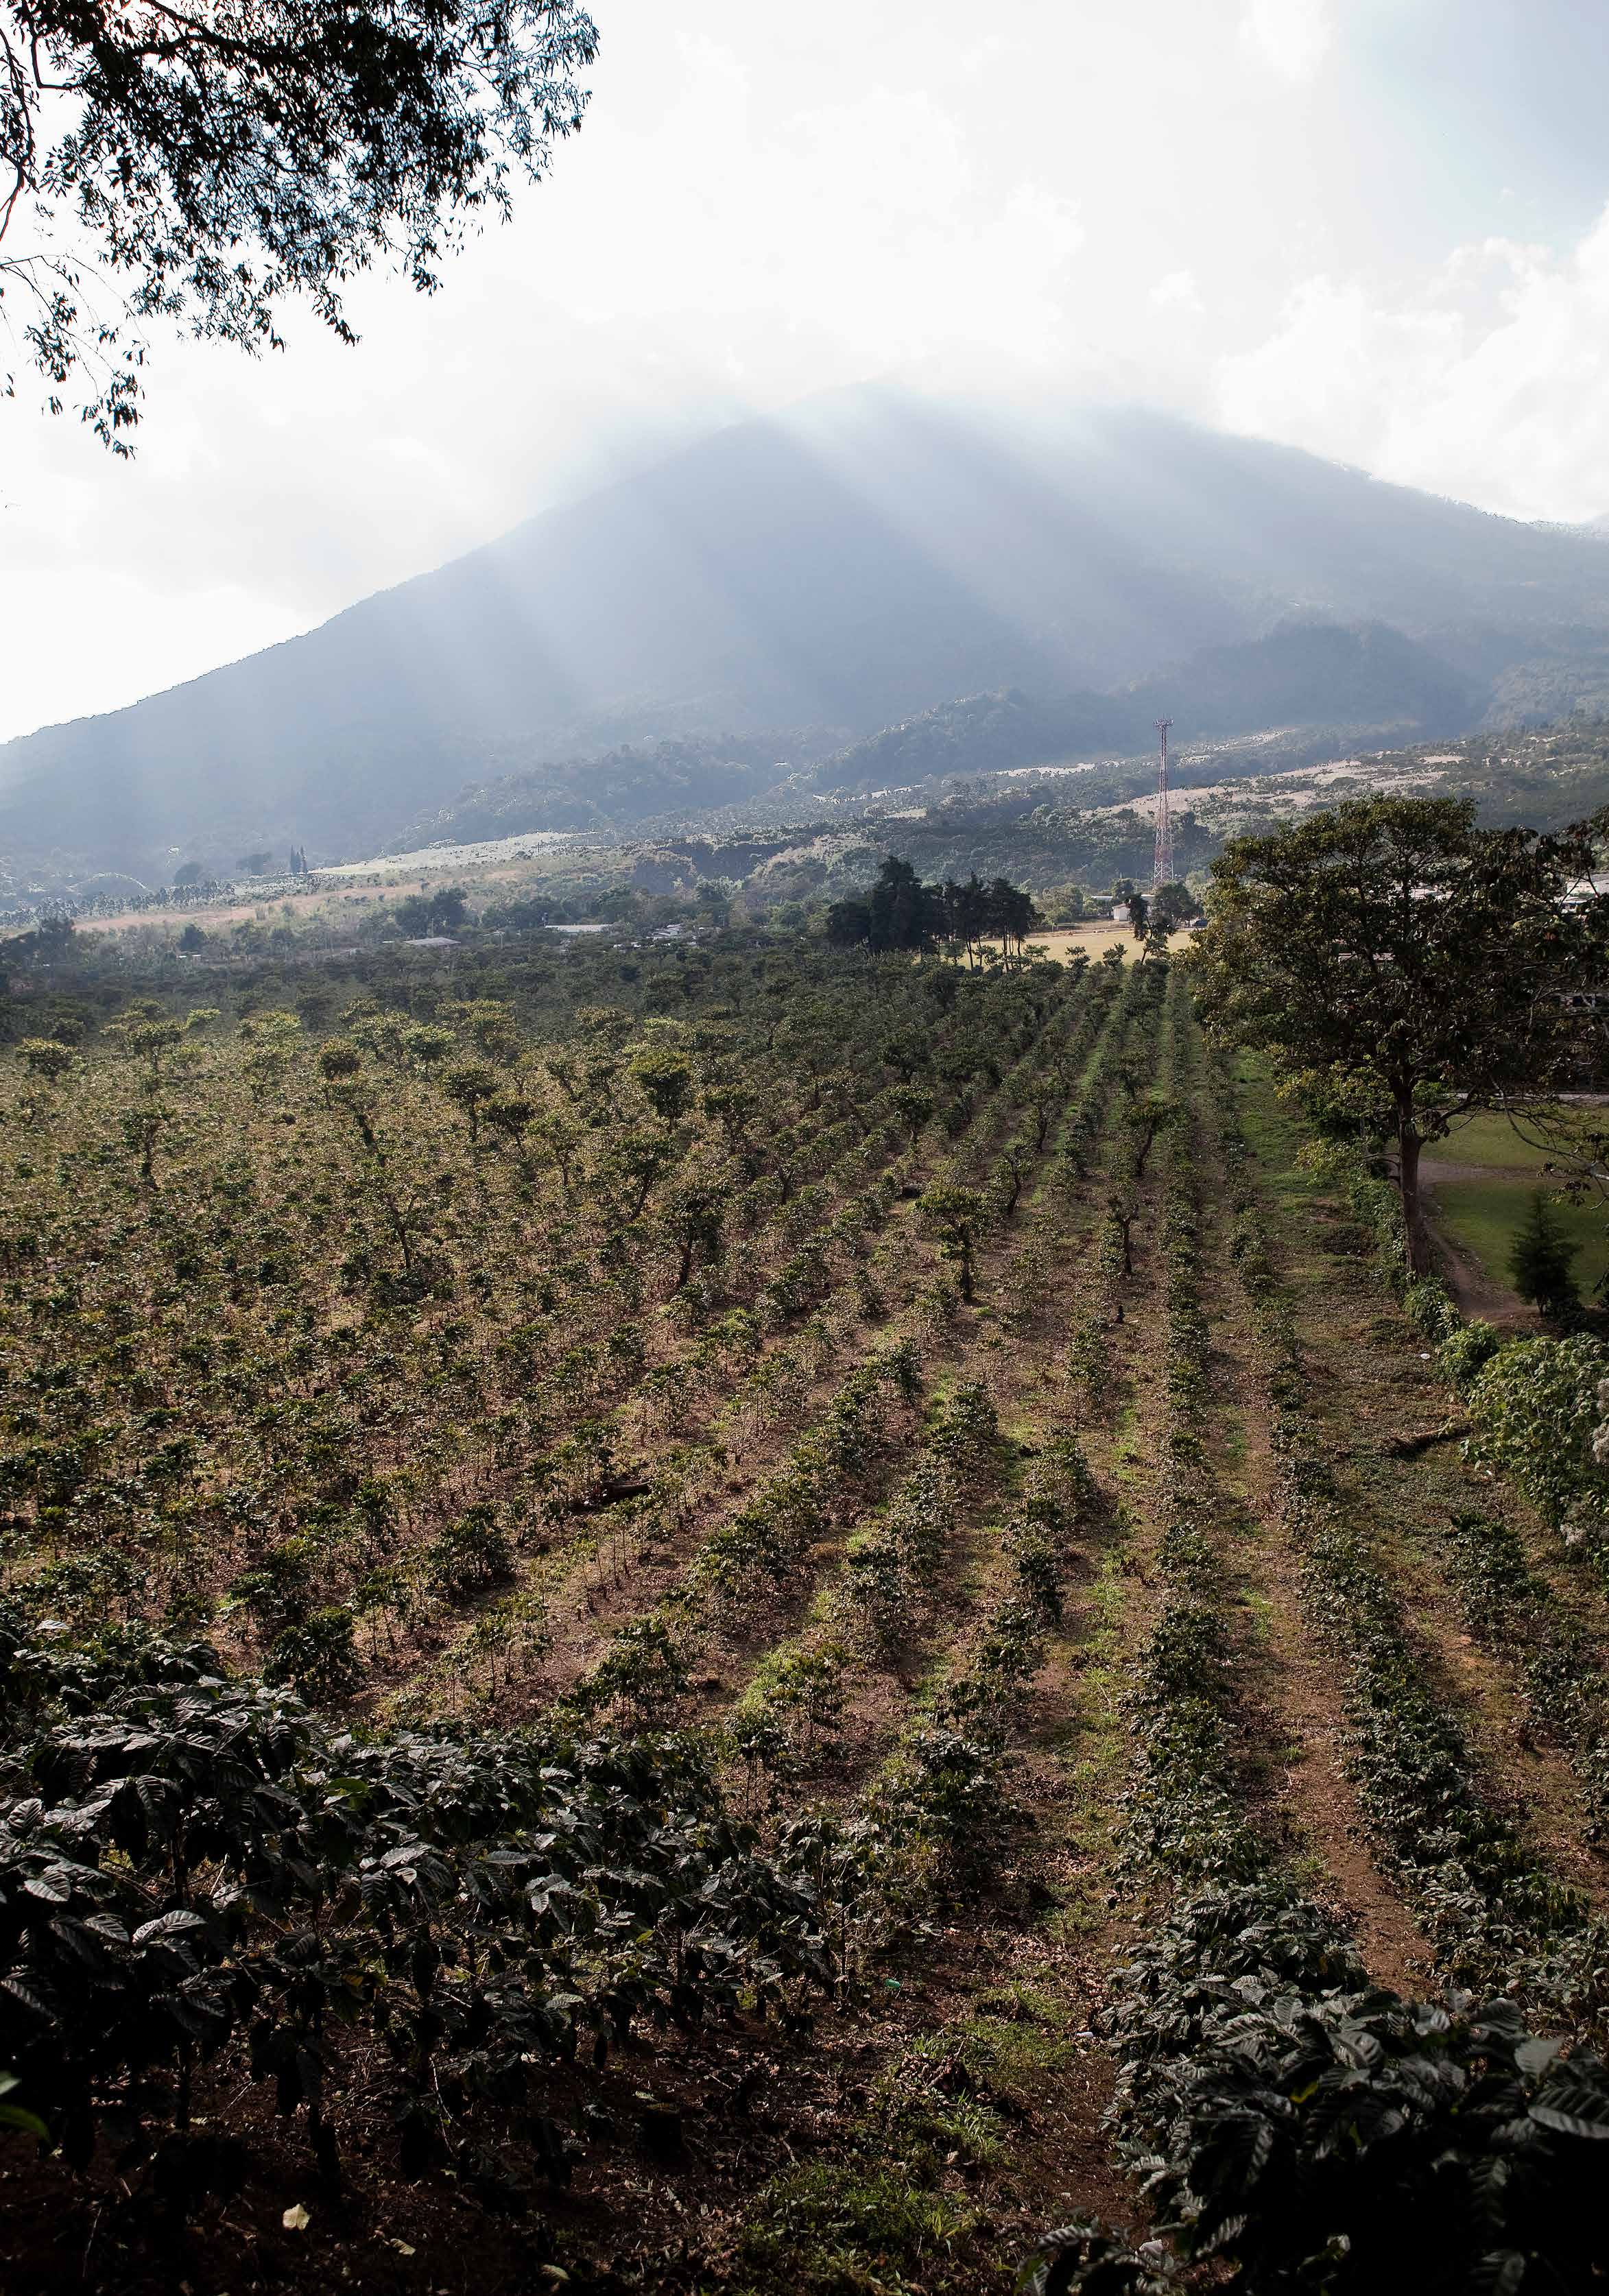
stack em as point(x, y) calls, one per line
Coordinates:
point(1409, 1145)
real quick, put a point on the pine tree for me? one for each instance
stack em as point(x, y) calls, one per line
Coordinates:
point(1539, 1258)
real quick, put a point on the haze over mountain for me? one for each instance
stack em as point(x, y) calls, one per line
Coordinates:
point(870, 558)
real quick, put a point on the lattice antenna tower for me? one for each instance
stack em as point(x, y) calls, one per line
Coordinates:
point(1161, 867)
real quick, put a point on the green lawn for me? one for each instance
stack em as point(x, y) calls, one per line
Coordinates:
point(1273, 1135)
point(1485, 1215)
point(1488, 1140)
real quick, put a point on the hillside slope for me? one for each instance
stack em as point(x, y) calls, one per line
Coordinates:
point(1303, 673)
point(863, 560)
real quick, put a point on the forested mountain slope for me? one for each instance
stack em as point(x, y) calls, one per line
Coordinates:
point(1304, 673)
point(863, 560)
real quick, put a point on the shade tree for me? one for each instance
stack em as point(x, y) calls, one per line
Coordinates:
point(271, 1039)
point(42, 1057)
point(340, 1064)
point(469, 1085)
point(1172, 905)
point(693, 1218)
point(141, 1128)
point(1406, 968)
point(205, 168)
point(666, 1079)
point(912, 1107)
point(439, 912)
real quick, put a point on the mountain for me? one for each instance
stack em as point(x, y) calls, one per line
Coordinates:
point(1364, 675)
point(845, 567)
point(696, 774)
point(1312, 673)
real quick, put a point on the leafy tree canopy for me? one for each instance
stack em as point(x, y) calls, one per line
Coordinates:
point(443, 911)
point(1408, 968)
point(1172, 905)
point(203, 164)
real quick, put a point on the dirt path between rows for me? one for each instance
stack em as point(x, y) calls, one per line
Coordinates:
point(1478, 1297)
point(1300, 1721)
point(1478, 1293)
point(1369, 1374)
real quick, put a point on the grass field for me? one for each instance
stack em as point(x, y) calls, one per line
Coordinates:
point(1485, 1216)
point(1489, 1140)
point(1095, 938)
point(1482, 1208)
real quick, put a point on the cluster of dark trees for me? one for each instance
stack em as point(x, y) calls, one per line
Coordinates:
point(48, 942)
point(900, 912)
point(441, 911)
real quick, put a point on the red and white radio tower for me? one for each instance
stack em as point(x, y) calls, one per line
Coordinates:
point(1161, 867)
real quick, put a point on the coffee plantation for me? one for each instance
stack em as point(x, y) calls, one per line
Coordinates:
point(747, 1614)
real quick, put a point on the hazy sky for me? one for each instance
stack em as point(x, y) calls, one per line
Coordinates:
point(1375, 228)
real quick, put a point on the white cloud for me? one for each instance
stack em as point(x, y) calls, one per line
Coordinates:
point(1490, 380)
point(1292, 37)
point(1182, 202)
point(1177, 291)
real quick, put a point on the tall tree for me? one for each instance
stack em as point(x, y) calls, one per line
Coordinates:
point(965, 909)
point(849, 923)
point(1172, 905)
point(954, 1215)
point(905, 912)
point(1407, 967)
point(1012, 913)
point(162, 161)
point(1539, 1260)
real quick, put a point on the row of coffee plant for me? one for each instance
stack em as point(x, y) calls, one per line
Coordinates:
point(884, 1598)
point(291, 1432)
point(1290, 2121)
point(1533, 1405)
point(1496, 1916)
point(789, 1513)
point(941, 1801)
point(884, 1603)
point(1512, 1611)
point(194, 1870)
